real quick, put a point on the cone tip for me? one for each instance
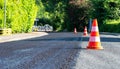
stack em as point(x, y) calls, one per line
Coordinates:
point(95, 22)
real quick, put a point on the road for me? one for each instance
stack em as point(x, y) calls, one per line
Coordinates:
point(60, 51)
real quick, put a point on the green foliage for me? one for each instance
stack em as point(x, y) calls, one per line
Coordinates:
point(1, 13)
point(98, 10)
point(113, 9)
point(59, 16)
point(110, 26)
point(20, 15)
point(78, 12)
point(63, 15)
point(67, 14)
point(106, 9)
point(52, 12)
point(108, 14)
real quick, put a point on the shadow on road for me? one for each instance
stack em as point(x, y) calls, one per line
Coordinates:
point(56, 39)
point(104, 39)
point(33, 47)
point(107, 33)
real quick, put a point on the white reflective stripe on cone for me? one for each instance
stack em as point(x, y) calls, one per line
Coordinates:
point(94, 39)
point(94, 28)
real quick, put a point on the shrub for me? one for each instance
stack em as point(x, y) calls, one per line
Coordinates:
point(20, 15)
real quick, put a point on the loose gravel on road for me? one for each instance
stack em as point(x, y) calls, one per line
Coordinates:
point(64, 50)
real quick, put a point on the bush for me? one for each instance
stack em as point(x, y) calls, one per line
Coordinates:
point(1, 13)
point(20, 15)
point(110, 26)
point(52, 12)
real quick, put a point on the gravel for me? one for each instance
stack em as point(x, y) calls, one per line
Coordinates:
point(63, 50)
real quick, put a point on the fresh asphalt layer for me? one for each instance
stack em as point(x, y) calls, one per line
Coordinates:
point(64, 50)
point(108, 58)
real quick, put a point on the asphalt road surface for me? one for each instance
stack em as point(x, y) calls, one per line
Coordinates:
point(61, 51)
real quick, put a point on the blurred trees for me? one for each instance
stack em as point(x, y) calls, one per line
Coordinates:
point(108, 14)
point(79, 13)
point(106, 9)
point(52, 12)
point(1, 13)
point(20, 15)
point(63, 15)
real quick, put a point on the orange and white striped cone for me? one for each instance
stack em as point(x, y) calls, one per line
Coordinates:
point(94, 41)
point(85, 31)
point(75, 31)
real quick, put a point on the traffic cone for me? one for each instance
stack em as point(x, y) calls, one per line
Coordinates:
point(94, 41)
point(85, 31)
point(75, 31)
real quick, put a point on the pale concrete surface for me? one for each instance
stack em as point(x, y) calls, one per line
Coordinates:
point(21, 36)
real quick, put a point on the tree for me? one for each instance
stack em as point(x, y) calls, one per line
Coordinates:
point(1, 13)
point(78, 12)
point(20, 15)
point(108, 14)
point(106, 9)
point(52, 12)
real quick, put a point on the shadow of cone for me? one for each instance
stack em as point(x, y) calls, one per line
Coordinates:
point(85, 31)
point(94, 41)
point(75, 31)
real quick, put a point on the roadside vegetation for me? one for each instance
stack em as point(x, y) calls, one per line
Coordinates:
point(20, 15)
point(63, 15)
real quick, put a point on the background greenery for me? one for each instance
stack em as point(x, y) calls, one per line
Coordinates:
point(63, 15)
point(108, 14)
point(20, 15)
